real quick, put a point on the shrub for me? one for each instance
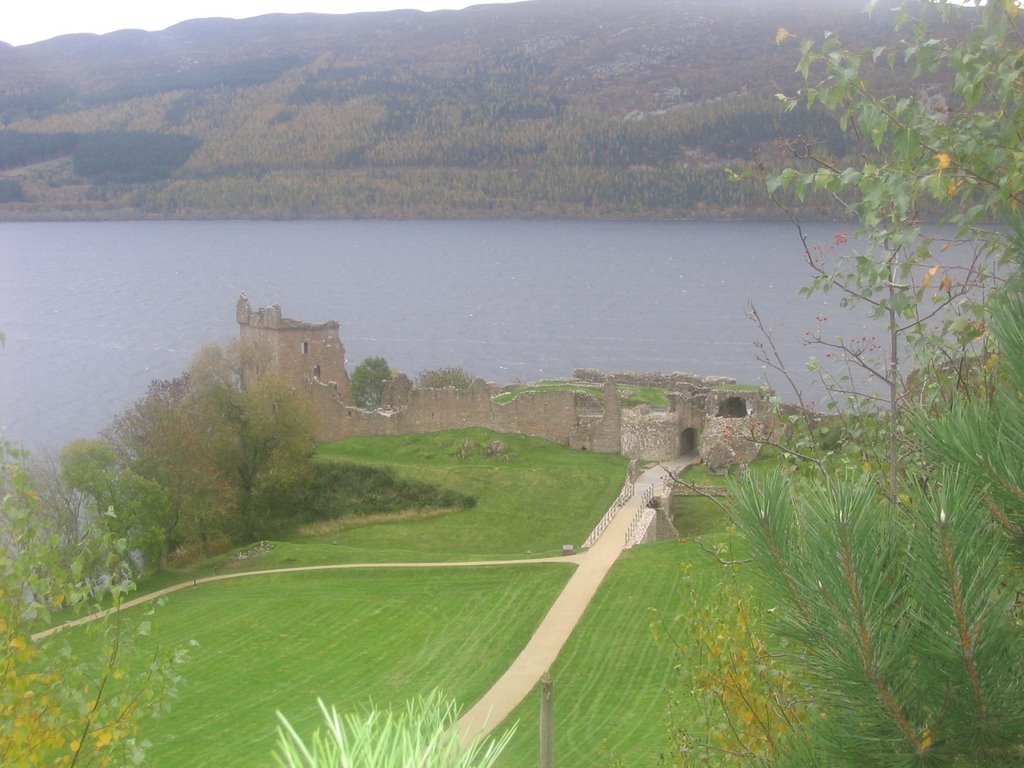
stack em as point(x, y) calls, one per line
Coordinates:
point(441, 378)
point(343, 489)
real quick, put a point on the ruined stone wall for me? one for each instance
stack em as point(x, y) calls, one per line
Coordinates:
point(673, 382)
point(650, 436)
point(735, 423)
point(551, 415)
point(312, 358)
point(603, 433)
point(295, 350)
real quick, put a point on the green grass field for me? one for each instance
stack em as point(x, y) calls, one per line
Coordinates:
point(610, 679)
point(278, 642)
point(531, 499)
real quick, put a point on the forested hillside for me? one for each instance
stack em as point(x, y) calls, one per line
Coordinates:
point(554, 108)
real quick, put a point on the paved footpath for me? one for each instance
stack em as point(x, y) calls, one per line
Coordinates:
point(542, 650)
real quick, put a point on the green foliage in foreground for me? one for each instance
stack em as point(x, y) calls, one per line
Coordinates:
point(60, 704)
point(278, 642)
point(899, 592)
point(422, 735)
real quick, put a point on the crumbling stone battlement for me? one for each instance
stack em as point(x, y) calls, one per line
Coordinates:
point(672, 382)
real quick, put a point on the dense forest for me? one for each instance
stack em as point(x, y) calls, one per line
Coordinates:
point(553, 108)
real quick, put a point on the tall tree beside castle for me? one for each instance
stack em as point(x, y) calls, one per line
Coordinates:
point(233, 461)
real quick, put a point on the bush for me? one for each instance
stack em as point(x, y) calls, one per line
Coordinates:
point(343, 489)
point(442, 378)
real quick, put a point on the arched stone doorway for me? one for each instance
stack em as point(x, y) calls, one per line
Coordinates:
point(688, 440)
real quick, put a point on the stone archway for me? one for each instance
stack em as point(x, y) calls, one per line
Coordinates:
point(688, 440)
point(733, 408)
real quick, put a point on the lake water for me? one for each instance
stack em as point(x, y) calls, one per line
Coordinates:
point(93, 312)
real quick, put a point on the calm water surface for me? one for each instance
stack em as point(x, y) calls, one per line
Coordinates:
point(93, 312)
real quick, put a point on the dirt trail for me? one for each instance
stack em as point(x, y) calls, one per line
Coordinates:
point(542, 650)
point(151, 596)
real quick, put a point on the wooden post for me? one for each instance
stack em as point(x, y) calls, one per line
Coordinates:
point(547, 723)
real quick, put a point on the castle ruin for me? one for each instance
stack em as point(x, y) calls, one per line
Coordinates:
point(707, 414)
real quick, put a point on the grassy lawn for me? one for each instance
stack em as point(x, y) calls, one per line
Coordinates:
point(629, 395)
point(531, 499)
point(698, 515)
point(279, 642)
point(610, 679)
point(738, 387)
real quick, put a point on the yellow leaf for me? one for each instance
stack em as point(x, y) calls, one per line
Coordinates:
point(926, 740)
point(947, 283)
point(782, 35)
point(943, 160)
point(104, 737)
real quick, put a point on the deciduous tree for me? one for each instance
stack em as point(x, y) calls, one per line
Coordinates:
point(161, 437)
point(58, 705)
point(369, 379)
point(119, 500)
point(946, 145)
point(260, 440)
point(899, 594)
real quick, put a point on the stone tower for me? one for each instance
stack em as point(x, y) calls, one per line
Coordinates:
point(309, 356)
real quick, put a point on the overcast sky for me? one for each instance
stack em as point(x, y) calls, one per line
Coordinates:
point(28, 21)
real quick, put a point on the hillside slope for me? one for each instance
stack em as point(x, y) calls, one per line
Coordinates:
point(569, 108)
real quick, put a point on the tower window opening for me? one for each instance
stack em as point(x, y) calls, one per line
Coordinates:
point(305, 347)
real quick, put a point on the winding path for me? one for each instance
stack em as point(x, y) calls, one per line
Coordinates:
point(547, 641)
point(543, 648)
